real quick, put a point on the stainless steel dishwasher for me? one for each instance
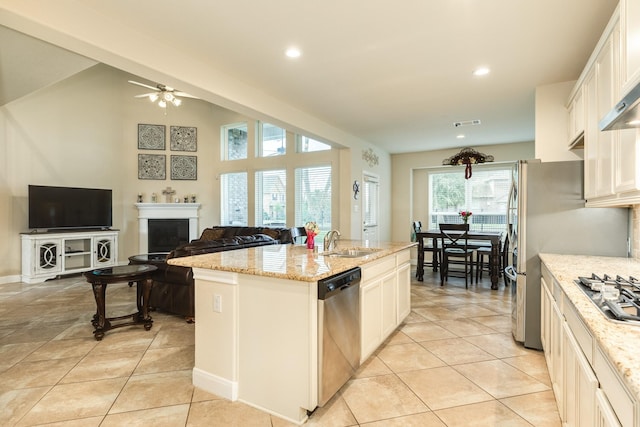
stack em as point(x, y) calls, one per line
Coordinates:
point(338, 331)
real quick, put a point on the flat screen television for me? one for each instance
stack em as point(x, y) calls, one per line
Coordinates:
point(67, 207)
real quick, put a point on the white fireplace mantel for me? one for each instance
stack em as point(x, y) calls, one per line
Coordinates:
point(147, 211)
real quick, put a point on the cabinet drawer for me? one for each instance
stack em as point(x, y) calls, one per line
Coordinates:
point(579, 330)
point(402, 257)
point(378, 268)
point(614, 390)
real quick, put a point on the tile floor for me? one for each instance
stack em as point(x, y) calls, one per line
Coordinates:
point(453, 363)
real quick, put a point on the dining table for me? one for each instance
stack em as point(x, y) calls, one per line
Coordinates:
point(475, 240)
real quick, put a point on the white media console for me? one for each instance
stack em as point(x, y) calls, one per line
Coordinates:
point(48, 255)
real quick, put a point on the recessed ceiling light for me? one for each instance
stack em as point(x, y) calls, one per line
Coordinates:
point(482, 71)
point(461, 136)
point(293, 52)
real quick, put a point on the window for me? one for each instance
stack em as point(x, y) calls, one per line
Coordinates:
point(313, 197)
point(234, 139)
point(234, 199)
point(308, 145)
point(273, 140)
point(271, 198)
point(485, 194)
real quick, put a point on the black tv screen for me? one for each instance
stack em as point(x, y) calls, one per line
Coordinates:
point(67, 207)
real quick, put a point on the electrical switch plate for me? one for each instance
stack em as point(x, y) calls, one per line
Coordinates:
point(217, 303)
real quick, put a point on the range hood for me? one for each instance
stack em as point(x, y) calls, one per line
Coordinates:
point(625, 114)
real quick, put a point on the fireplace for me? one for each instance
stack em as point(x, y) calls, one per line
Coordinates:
point(166, 214)
point(167, 234)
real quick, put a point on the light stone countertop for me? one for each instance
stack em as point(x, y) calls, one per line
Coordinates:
point(620, 342)
point(293, 262)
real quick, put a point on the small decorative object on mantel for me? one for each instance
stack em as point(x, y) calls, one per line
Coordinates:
point(465, 215)
point(140, 198)
point(154, 198)
point(467, 156)
point(370, 157)
point(312, 230)
point(193, 198)
point(168, 193)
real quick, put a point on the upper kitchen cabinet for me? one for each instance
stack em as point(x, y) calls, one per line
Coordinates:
point(576, 118)
point(611, 159)
point(630, 58)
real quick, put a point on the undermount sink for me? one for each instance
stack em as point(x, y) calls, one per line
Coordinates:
point(352, 253)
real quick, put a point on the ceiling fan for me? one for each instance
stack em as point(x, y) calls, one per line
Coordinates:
point(162, 94)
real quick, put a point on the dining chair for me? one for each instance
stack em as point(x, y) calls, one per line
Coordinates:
point(425, 244)
point(482, 265)
point(298, 235)
point(455, 250)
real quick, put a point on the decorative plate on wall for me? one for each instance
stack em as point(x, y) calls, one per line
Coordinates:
point(151, 137)
point(152, 166)
point(184, 138)
point(184, 167)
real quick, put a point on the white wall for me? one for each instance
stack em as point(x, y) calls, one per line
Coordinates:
point(83, 132)
point(410, 184)
point(552, 135)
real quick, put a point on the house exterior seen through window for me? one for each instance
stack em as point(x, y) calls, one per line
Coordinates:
point(485, 194)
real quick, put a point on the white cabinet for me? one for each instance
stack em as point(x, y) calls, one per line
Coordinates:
point(576, 122)
point(580, 384)
point(630, 29)
point(588, 389)
point(385, 299)
point(47, 255)
point(605, 417)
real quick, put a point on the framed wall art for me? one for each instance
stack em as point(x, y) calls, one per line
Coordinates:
point(183, 138)
point(184, 167)
point(151, 137)
point(152, 166)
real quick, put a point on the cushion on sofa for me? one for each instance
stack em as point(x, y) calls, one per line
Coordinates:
point(212, 234)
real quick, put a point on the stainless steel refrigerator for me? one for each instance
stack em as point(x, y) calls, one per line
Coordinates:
point(546, 213)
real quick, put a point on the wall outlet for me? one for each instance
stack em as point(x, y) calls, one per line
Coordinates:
point(217, 303)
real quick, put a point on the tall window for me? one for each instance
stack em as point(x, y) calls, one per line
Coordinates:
point(234, 199)
point(313, 197)
point(234, 139)
point(271, 198)
point(308, 145)
point(272, 140)
point(485, 194)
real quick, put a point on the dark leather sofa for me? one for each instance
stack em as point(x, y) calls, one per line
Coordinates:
point(173, 286)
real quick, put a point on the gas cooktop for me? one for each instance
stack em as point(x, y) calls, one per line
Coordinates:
point(617, 298)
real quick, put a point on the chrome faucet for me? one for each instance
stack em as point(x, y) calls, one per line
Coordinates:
point(331, 240)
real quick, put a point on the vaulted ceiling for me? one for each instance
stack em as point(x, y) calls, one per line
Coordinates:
point(396, 74)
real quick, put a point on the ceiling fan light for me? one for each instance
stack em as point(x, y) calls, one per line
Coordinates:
point(153, 97)
point(162, 103)
point(168, 96)
point(176, 102)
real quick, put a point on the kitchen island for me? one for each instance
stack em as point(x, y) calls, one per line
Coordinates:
point(256, 313)
point(593, 361)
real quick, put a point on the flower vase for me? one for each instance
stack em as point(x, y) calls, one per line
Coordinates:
point(465, 219)
point(311, 242)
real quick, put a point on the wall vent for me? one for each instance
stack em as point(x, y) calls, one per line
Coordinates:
point(466, 123)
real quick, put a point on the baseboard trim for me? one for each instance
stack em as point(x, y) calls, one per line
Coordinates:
point(9, 279)
point(214, 384)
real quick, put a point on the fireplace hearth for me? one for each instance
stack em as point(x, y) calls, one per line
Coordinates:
point(169, 239)
point(167, 234)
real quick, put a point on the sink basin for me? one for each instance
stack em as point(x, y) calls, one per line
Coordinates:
point(352, 253)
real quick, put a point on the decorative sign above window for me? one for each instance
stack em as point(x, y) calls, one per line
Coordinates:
point(370, 157)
